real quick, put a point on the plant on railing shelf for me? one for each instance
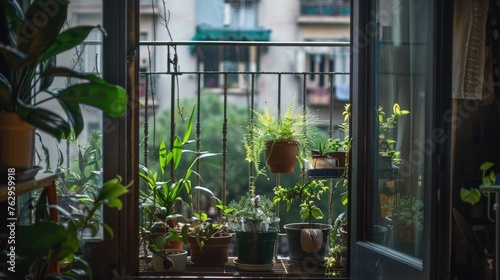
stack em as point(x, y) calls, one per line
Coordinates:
point(473, 195)
point(51, 250)
point(267, 134)
point(387, 145)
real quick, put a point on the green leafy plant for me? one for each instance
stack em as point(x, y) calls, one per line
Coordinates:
point(162, 194)
point(30, 53)
point(473, 195)
point(387, 145)
point(291, 126)
point(406, 209)
point(252, 211)
point(45, 244)
point(202, 227)
point(305, 193)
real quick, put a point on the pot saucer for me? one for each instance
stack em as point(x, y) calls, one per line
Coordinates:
point(253, 267)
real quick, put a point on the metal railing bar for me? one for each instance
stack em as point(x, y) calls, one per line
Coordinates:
point(247, 43)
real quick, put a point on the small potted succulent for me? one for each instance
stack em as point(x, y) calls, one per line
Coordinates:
point(256, 240)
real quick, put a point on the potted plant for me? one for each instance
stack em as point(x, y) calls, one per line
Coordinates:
point(472, 196)
point(329, 158)
point(255, 239)
point(208, 240)
point(52, 250)
point(30, 69)
point(162, 197)
point(306, 241)
point(282, 139)
point(407, 215)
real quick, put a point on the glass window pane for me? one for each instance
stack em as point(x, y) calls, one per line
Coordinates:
point(401, 77)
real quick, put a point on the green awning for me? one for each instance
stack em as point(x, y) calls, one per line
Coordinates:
point(231, 34)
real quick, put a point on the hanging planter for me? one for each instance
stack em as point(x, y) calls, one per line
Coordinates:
point(281, 156)
point(330, 165)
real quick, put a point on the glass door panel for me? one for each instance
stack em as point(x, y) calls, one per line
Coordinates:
point(401, 55)
point(392, 161)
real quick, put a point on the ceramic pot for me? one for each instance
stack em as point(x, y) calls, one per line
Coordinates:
point(176, 261)
point(256, 247)
point(17, 143)
point(308, 242)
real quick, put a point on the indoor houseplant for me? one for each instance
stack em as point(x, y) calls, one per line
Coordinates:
point(307, 241)
point(28, 56)
point(52, 250)
point(472, 196)
point(282, 138)
point(209, 240)
point(255, 239)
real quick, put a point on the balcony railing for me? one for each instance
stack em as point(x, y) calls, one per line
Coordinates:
point(258, 86)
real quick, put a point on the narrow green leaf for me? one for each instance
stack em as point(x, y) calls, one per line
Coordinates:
point(74, 113)
point(108, 229)
point(177, 151)
point(163, 156)
point(189, 127)
point(46, 81)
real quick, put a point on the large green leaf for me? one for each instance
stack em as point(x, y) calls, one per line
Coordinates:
point(109, 98)
point(42, 23)
point(14, 16)
point(471, 196)
point(39, 236)
point(44, 120)
point(68, 39)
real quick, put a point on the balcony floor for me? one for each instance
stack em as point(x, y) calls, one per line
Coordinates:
point(282, 269)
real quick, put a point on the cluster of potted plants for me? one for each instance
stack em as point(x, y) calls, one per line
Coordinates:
point(329, 158)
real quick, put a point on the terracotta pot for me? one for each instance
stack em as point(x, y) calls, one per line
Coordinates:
point(17, 143)
point(281, 157)
point(214, 251)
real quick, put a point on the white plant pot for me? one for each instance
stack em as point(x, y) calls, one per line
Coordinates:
point(178, 257)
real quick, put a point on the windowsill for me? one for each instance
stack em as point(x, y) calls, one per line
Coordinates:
point(281, 269)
